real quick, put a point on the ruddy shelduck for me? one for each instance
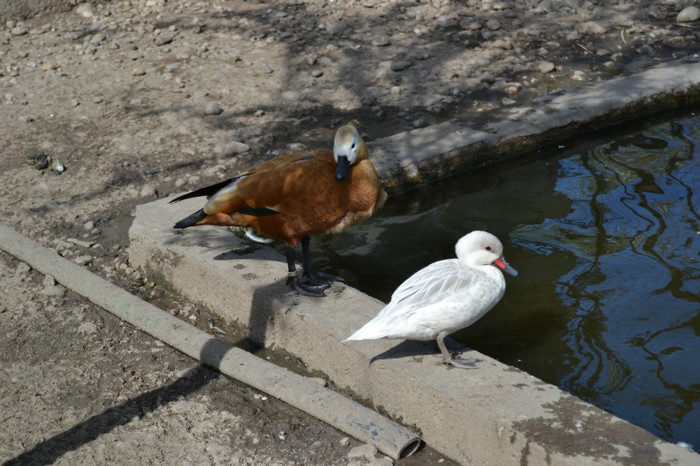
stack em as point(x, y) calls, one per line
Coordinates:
point(445, 296)
point(293, 196)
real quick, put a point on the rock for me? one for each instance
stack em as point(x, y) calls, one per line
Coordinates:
point(400, 64)
point(381, 41)
point(148, 190)
point(493, 25)
point(87, 328)
point(49, 281)
point(545, 66)
point(688, 14)
point(317, 73)
point(83, 260)
point(212, 108)
point(363, 451)
point(578, 75)
point(19, 31)
point(22, 269)
point(54, 291)
point(164, 38)
point(86, 10)
point(231, 148)
point(591, 27)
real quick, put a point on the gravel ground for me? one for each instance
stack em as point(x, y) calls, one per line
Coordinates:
point(143, 99)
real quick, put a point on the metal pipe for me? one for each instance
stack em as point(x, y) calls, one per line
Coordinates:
point(301, 392)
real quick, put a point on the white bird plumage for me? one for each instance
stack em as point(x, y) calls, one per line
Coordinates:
point(445, 296)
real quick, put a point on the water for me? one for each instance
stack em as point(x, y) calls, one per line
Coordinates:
point(606, 236)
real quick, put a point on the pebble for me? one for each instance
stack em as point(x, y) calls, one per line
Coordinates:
point(688, 14)
point(363, 451)
point(400, 65)
point(317, 73)
point(231, 148)
point(148, 190)
point(545, 67)
point(85, 10)
point(493, 25)
point(87, 328)
point(19, 31)
point(98, 99)
point(164, 39)
point(212, 108)
point(55, 291)
point(381, 41)
point(83, 260)
point(49, 281)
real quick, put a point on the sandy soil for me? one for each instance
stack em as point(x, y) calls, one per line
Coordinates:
point(142, 99)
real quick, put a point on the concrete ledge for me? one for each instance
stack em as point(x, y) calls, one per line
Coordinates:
point(430, 153)
point(495, 414)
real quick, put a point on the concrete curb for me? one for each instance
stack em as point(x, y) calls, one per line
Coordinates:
point(431, 153)
point(495, 414)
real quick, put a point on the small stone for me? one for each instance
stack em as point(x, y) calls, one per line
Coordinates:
point(688, 14)
point(344, 442)
point(381, 41)
point(98, 38)
point(86, 10)
point(49, 281)
point(493, 25)
point(400, 65)
point(508, 101)
point(83, 260)
point(591, 27)
point(231, 148)
point(212, 108)
point(164, 39)
point(22, 269)
point(19, 31)
point(98, 99)
point(545, 67)
point(148, 190)
point(578, 75)
point(54, 291)
point(317, 73)
point(87, 328)
point(268, 69)
point(138, 72)
point(89, 225)
point(487, 78)
point(363, 451)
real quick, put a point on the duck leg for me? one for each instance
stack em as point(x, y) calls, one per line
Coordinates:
point(312, 274)
point(307, 289)
point(448, 358)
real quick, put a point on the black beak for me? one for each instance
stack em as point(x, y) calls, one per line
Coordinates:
point(342, 169)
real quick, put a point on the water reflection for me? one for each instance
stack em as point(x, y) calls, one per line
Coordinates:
point(606, 238)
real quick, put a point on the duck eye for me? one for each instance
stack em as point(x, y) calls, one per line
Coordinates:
point(488, 248)
point(354, 145)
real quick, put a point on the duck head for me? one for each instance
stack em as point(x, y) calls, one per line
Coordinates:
point(480, 248)
point(348, 149)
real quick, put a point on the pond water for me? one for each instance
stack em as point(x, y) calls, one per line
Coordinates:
point(605, 233)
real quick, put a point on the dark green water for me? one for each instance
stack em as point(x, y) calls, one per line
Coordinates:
point(605, 233)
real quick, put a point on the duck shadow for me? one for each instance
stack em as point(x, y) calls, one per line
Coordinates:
point(417, 349)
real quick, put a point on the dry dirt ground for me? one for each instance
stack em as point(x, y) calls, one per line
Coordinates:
point(143, 99)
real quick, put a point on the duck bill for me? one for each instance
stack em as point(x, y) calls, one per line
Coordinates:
point(503, 265)
point(343, 166)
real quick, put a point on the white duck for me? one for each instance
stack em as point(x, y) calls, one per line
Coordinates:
point(445, 296)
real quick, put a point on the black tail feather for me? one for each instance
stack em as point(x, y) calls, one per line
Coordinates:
point(206, 191)
point(191, 220)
